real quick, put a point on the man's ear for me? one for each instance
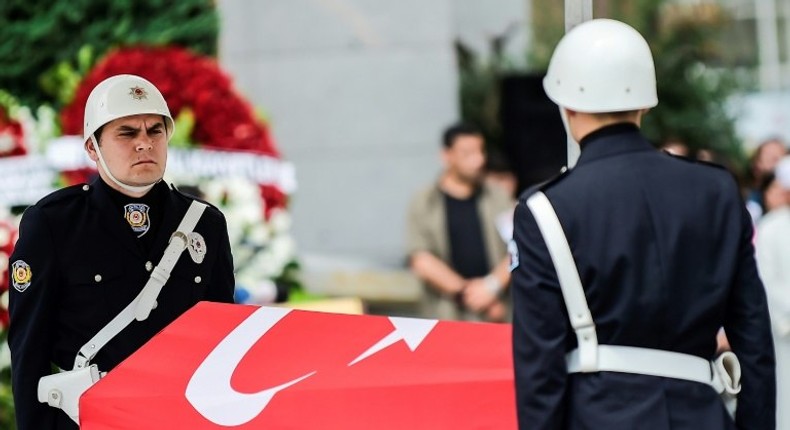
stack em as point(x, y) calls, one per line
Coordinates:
point(91, 150)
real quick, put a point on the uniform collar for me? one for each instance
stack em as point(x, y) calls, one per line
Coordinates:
point(112, 221)
point(612, 140)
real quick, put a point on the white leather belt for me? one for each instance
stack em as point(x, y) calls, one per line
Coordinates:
point(645, 361)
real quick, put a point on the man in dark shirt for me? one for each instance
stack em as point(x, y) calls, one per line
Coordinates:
point(453, 241)
point(85, 252)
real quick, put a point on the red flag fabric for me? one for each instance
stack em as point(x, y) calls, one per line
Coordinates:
point(224, 366)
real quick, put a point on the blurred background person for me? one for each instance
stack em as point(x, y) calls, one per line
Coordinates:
point(499, 173)
point(773, 262)
point(453, 245)
point(675, 146)
point(762, 162)
point(772, 194)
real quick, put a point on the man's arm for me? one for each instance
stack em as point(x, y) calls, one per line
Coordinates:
point(420, 247)
point(540, 329)
point(32, 313)
point(480, 293)
point(436, 273)
point(748, 329)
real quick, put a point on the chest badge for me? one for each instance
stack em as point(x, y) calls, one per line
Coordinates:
point(136, 214)
point(196, 247)
point(21, 275)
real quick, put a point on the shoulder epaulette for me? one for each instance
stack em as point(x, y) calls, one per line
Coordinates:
point(63, 194)
point(696, 161)
point(190, 197)
point(542, 186)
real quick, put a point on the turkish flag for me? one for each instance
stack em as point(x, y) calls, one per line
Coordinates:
point(225, 366)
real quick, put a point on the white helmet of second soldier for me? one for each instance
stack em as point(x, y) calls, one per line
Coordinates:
point(127, 128)
point(602, 66)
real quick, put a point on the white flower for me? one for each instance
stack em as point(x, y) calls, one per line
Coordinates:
point(3, 262)
point(5, 236)
point(249, 214)
point(214, 191)
point(241, 254)
point(6, 142)
point(4, 300)
point(280, 220)
point(5, 356)
point(259, 235)
point(235, 233)
point(241, 190)
point(262, 292)
point(265, 266)
point(282, 251)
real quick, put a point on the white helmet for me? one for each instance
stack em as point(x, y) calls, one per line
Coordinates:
point(601, 66)
point(123, 95)
point(117, 97)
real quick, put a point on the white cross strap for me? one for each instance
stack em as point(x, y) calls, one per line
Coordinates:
point(145, 301)
point(161, 273)
point(568, 277)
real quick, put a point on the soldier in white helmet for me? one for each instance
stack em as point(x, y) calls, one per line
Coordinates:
point(625, 267)
point(108, 251)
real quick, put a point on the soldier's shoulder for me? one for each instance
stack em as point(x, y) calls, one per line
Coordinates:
point(698, 162)
point(710, 170)
point(545, 185)
point(188, 198)
point(64, 196)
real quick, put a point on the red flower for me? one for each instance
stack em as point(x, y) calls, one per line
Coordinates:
point(223, 120)
point(12, 141)
point(5, 252)
point(274, 199)
point(78, 176)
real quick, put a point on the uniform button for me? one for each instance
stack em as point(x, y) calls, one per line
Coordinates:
point(149, 266)
point(198, 279)
point(97, 278)
point(86, 187)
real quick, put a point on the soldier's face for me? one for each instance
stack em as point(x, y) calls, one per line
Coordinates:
point(466, 157)
point(134, 148)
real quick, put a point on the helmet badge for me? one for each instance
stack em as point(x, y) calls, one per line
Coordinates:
point(138, 93)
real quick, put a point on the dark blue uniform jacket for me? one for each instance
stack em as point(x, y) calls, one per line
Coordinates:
point(86, 266)
point(663, 247)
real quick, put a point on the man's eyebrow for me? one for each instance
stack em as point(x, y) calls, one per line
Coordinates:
point(125, 128)
point(157, 125)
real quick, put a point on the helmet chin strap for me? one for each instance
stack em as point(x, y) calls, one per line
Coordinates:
point(567, 125)
point(131, 188)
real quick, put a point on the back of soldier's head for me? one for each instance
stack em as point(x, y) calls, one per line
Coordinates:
point(602, 66)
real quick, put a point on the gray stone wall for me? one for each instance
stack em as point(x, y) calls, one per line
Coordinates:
point(357, 92)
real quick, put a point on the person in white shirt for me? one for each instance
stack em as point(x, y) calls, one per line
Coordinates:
point(773, 262)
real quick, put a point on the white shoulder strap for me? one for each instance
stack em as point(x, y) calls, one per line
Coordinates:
point(568, 276)
point(145, 301)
